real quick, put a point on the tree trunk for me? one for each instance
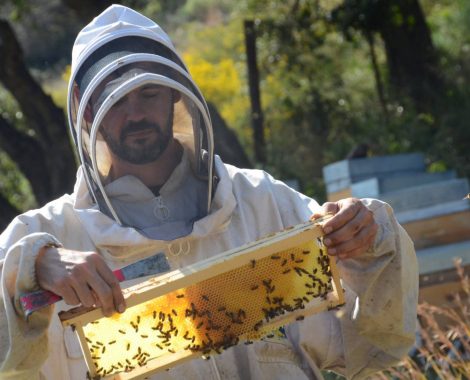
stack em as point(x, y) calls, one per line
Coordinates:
point(378, 78)
point(226, 142)
point(411, 57)
point(255, 97)
point(7, 212)
point(46, 157)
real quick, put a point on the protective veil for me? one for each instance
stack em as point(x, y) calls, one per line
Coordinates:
point(132, 103)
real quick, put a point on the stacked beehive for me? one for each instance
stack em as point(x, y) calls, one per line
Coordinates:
point(430, 206)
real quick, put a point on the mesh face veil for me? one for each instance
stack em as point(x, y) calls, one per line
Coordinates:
point(133, 109)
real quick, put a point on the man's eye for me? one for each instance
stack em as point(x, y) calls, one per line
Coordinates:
point(150, 93)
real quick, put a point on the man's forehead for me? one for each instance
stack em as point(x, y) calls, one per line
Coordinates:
point(128, 71)
point(121, 75)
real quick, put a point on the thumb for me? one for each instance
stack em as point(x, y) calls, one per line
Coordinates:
point(326, 208)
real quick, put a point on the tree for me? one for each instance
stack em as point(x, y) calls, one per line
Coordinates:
point(412, 60)
point(42, 150)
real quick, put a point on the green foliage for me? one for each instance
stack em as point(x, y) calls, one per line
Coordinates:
point(13, 185)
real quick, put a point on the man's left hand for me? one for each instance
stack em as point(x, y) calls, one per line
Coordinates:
point(352, 229)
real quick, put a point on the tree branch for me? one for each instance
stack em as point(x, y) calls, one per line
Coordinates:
point(17, 79)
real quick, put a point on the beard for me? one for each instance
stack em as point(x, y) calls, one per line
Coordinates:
point(141, 150)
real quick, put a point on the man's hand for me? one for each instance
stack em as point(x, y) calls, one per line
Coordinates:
point(79, 277)
point(352, 229)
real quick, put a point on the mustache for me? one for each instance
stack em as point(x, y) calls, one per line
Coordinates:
point(138, 126)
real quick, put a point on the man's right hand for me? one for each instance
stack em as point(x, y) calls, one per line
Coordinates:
point(79, 278)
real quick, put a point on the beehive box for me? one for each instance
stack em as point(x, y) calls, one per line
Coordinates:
point(239, 295)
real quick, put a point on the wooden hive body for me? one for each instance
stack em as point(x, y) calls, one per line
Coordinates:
point(239, 295)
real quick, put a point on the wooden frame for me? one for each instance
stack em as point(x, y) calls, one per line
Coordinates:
point(239, 258)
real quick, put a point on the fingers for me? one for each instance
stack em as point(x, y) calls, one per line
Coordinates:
point(347, 210)
point(83, 292)
point(351, 231)
point(67, 292)
point(326, 208)
point(104, 293)
point(80, 277)
point(102, 286)
point(357, 245)
point(107, 275)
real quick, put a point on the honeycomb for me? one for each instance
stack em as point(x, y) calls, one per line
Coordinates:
point(212, 315)
point(239, 305)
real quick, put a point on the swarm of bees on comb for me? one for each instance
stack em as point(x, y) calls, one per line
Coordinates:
point(241, 304)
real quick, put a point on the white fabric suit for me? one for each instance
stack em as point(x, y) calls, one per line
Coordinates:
point(381, 288)
point(378, 323)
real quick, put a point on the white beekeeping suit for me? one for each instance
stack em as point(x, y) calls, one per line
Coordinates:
point(205, 207)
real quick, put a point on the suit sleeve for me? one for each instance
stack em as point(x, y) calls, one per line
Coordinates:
point(23, 343)
point(376, 327)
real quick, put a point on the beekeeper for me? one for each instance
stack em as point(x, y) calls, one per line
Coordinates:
point(149, 182)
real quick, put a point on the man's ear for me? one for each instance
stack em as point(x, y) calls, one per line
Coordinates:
point(176, 95)
point(88, 111)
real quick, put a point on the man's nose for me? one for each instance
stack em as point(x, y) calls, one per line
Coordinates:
point(135, 109)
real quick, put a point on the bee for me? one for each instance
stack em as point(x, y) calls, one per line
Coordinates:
point(253, 263)
point(205, 298)
point(258, 325)
point(180, 296)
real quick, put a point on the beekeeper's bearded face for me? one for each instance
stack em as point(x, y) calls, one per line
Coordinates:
point(132, 104)
point(138, 128)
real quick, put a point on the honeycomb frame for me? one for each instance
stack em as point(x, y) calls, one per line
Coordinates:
point(123, 346)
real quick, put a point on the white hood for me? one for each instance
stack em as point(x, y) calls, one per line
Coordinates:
point(121, 55)
point(114, 22)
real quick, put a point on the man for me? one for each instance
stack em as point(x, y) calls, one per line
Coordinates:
point(149, 182)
